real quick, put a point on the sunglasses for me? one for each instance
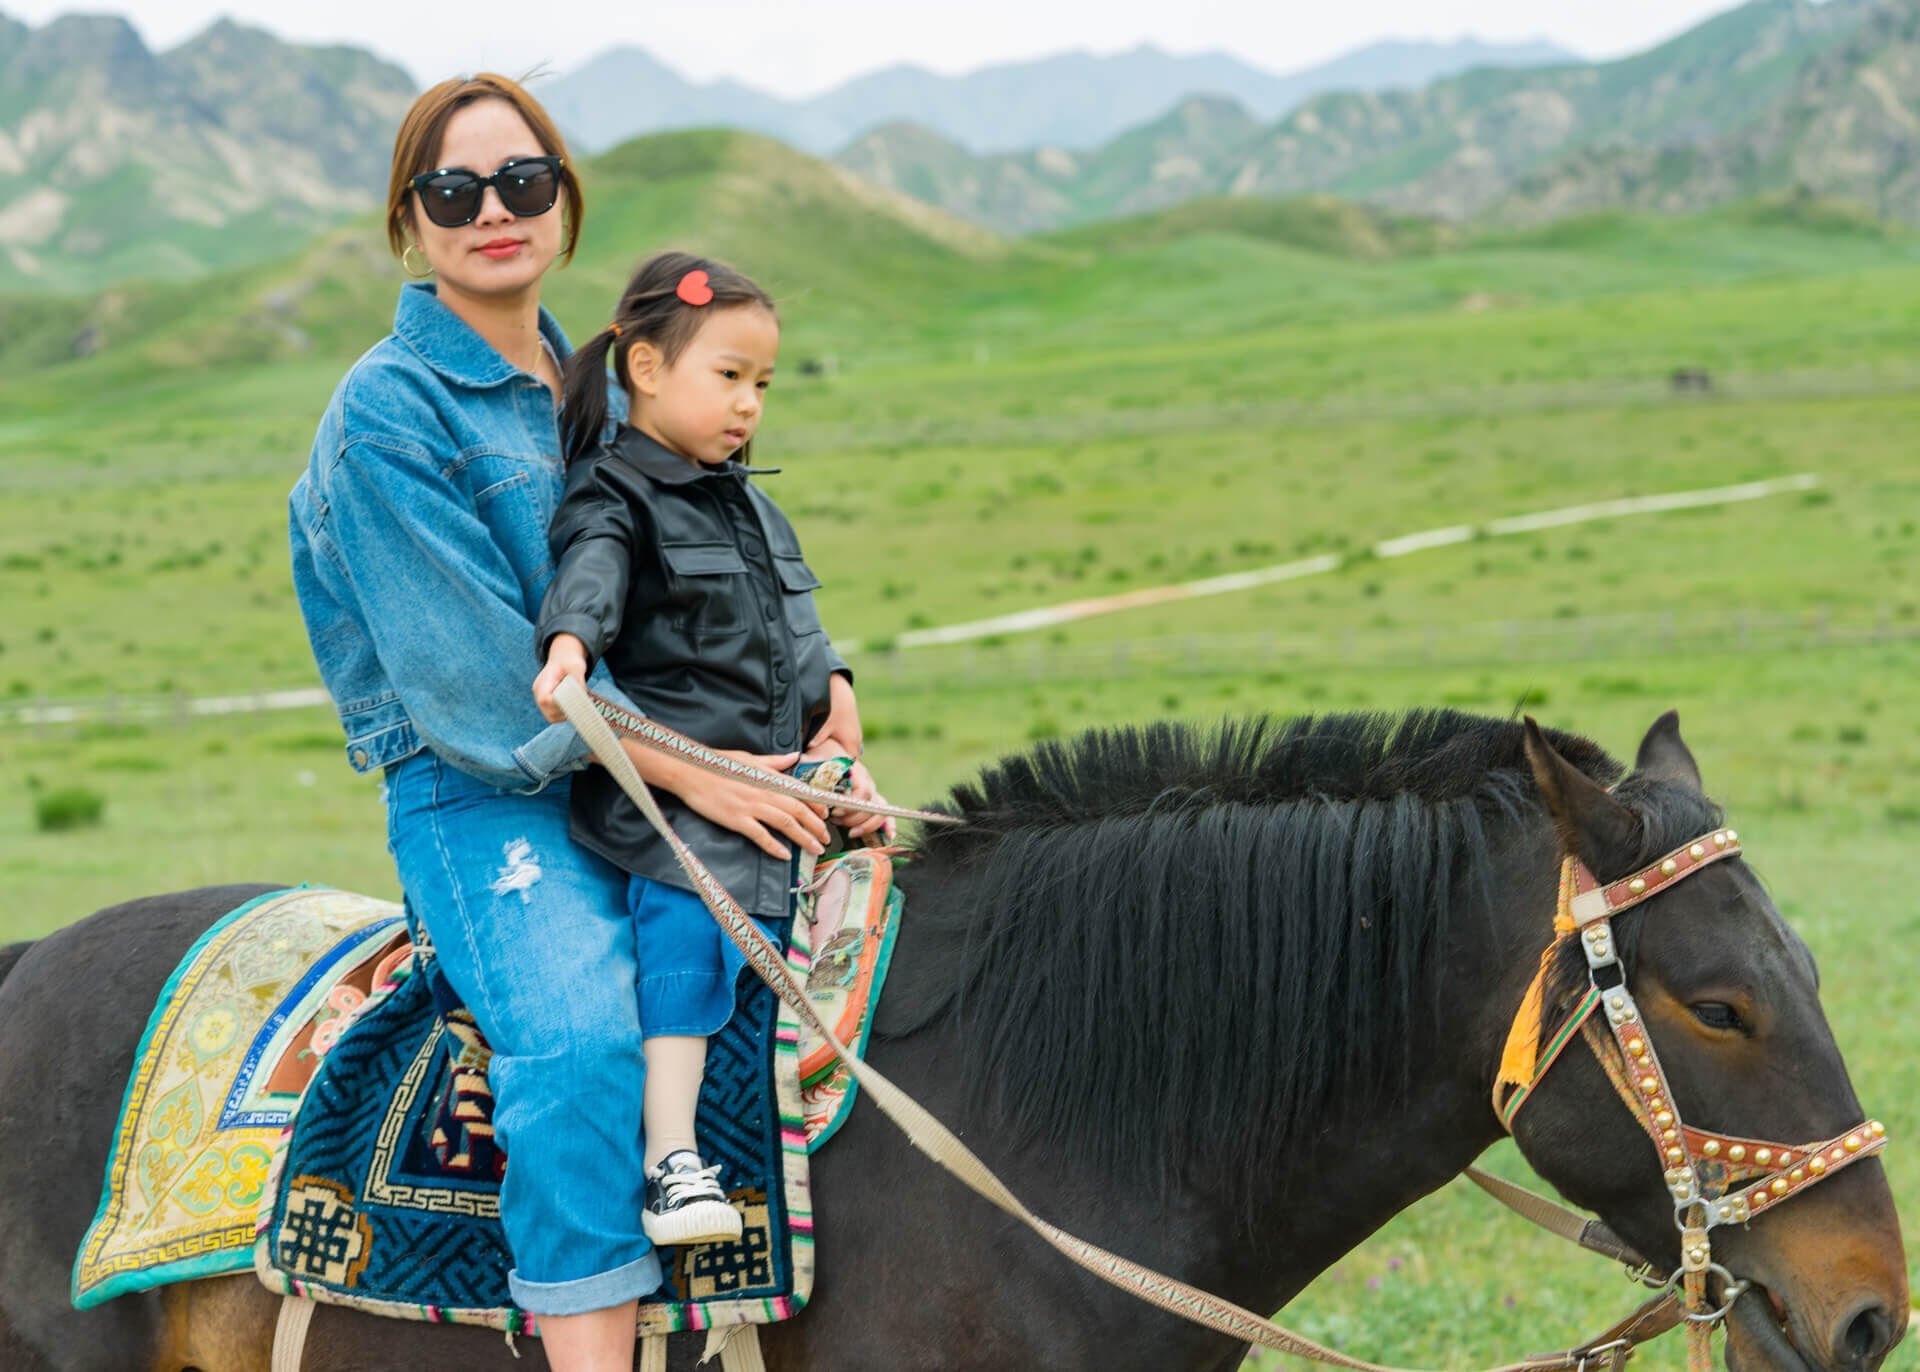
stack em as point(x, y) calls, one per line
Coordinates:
point(451, 196)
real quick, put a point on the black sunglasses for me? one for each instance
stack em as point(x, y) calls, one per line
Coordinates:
point(451, 196)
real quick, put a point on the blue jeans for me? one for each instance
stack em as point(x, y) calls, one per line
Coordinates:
point(535, 935)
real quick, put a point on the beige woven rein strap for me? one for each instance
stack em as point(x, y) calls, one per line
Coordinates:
point(921, 1128)
point(664, 740)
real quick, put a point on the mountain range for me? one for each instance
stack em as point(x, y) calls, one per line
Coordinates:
point(235, 145)
point(1773, 96)
point(1070, 100)
point(129, 162)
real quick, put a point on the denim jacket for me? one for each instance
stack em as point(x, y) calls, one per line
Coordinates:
point(419, 536)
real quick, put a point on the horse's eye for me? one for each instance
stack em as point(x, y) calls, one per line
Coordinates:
point(1717, 1015)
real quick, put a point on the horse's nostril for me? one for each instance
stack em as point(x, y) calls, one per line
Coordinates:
point(1865, 1338)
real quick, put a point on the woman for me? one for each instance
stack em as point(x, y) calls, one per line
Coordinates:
point(419, 537)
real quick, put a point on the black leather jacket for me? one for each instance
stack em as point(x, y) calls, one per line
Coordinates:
point(689, 582)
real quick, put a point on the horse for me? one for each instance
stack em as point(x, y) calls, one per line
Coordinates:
point(1220, 999)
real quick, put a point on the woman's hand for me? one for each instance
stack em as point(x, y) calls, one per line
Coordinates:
point(763, 817)
point(843, 723)
point(566, 657)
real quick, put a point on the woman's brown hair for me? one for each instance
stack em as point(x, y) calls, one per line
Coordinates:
point(418, 143)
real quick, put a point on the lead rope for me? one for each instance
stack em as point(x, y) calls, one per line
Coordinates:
point(924, 1131)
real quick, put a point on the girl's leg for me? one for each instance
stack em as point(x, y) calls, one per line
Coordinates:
point(676, 1063)
point(535, 936)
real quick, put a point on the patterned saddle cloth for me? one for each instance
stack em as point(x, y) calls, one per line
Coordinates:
point(384, 1193)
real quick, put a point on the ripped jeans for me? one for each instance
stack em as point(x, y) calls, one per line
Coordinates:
point(535, 934)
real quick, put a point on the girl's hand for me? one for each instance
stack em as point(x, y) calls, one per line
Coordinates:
point(566, 657)
point(843, 721)
point(856, 823)
point(764, 817)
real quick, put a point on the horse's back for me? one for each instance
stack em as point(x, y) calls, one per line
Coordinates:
point(72, 1009)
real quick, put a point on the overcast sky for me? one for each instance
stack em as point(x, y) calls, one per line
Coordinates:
point(799, 47)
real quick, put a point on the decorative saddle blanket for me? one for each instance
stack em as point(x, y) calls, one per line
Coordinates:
point(425, 1077)
point(231, 1043)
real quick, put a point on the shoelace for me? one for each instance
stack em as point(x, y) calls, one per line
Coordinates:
point(692, 1183)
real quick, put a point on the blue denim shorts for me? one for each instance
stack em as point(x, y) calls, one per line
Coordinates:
point(689, 968)
point(534, 933)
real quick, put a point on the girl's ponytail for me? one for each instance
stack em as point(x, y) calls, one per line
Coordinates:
point(583, 396)
point(664, 303)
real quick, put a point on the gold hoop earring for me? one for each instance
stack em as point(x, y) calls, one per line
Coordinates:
point(406, 263)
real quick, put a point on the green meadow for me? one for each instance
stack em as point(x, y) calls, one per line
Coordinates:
point(987, 426)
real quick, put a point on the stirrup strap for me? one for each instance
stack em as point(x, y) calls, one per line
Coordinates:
point(653, 1353)
point(290, 1334)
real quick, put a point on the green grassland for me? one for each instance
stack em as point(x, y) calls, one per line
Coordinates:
point(1002, 425)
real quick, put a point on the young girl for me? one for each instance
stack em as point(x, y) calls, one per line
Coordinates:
point(678, 572)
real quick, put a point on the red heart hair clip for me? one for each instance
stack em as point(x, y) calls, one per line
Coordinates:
point(693, 288)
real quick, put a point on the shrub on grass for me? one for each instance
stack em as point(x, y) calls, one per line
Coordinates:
point(70, 807)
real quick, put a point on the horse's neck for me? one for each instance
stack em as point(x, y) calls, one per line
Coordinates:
point(1370, 1161)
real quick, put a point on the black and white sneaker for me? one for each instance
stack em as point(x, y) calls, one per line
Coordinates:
point(685, 1203)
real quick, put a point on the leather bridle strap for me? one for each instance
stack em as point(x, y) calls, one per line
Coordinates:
point(1575, 1226)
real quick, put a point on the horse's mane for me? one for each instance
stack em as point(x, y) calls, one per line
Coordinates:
point(1171, 946)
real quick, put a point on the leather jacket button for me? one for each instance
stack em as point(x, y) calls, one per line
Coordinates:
point(751, 547)
point(780, 675)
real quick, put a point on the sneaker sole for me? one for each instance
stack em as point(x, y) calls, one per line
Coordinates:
point(695, 1222)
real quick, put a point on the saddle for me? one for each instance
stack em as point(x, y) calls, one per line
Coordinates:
point(229, 1152)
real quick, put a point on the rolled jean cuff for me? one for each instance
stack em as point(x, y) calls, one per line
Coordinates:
point(638, 1278)
point(698, 1004)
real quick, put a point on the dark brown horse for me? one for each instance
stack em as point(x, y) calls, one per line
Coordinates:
point(1222, 1002)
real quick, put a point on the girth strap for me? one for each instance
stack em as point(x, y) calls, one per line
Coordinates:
point(653, 1353)
point(290, 1333)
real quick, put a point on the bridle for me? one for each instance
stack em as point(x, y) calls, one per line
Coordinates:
point(1713, 1178)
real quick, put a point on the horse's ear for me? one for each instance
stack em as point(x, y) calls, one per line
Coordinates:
point(1593, 826)
point(1665, 756)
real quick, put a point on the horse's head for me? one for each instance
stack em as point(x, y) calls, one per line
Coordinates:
point(1727, 997)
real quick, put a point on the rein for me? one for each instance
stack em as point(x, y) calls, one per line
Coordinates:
point(1713, 1178)
point(1587, 907)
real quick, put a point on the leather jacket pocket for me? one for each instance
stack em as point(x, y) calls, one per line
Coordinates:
point(798, 583)
point(709, 588)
